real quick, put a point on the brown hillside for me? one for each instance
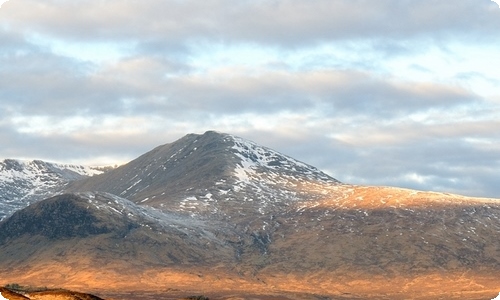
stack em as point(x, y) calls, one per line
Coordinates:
point(381, 243)
point(47, 295)
point(61, 295)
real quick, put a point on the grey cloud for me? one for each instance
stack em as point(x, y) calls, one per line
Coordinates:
point(280, 22)
point(41, 83)
point(362, 94)
point(38, 82)
point(46, 84)
point(12, 42)
point(450, 165)
point(332, 92)
point(94, 145)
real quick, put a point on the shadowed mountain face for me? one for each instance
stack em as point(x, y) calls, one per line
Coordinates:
point(216, 212)
point(56, 218)
point(106, 228)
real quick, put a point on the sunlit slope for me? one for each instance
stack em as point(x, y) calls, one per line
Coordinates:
point(390, 231)
point(355, 239)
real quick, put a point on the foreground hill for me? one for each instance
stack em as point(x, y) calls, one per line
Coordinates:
point(56, 294)
point(217, 215)
point(102, 229)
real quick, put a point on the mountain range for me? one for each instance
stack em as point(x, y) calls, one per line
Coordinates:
point(220, 215)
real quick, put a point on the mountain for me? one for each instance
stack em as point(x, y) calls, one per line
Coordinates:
point(210, 175)
point(24, 182)
point(219, 215)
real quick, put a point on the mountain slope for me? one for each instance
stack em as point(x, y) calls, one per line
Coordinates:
point(392, 231)
point(366, 241)
point(103, 228)
point(24, 182)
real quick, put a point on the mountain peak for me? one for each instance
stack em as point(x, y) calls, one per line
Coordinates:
point(199, 172)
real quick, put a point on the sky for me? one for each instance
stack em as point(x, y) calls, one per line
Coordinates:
point(375, 92)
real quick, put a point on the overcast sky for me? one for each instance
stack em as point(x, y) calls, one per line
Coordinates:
point(380, 92)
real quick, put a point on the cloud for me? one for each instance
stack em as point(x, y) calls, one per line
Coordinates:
point(44, 84)
point(265, 22)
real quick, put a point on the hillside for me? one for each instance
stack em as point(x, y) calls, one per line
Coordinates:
point(217, 215)
point(103, 228)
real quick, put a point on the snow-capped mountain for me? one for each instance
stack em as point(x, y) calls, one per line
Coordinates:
point(24, 182)
point(202, 174)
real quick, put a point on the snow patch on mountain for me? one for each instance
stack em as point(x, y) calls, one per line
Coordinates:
point(23, 182)
point(254, 158)
point(263, 181)
point(146, 216)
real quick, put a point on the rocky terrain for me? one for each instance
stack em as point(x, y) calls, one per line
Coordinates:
point(217, 215)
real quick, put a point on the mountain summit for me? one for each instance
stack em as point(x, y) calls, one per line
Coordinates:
point(201, 174)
